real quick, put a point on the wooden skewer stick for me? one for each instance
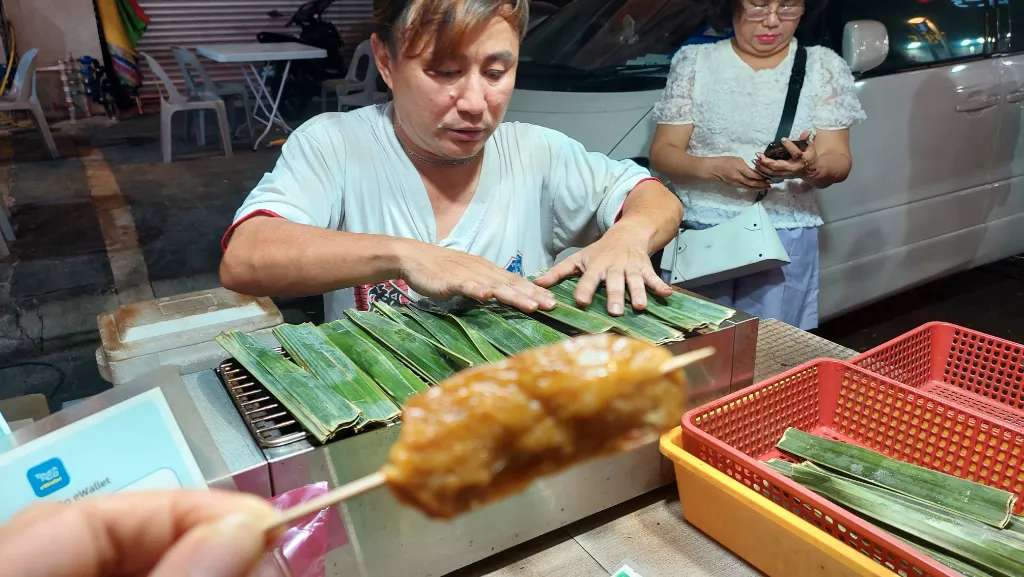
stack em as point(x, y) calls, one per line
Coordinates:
point(376, 480)
point(686, 359)
point(346, 491)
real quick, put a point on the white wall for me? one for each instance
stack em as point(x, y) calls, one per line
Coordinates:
point(55, 27)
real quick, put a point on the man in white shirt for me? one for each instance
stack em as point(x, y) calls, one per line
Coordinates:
point(433, 193)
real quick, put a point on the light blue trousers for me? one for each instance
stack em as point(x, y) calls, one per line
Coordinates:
point(788, 294)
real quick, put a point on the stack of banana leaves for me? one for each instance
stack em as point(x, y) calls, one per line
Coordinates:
point(357, 372)
point(966, 526)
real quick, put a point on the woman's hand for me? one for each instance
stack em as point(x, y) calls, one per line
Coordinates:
point(802, 163)
point(825, 162)
point(736, 172)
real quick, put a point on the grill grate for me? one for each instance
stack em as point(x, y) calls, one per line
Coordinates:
point(270, 423)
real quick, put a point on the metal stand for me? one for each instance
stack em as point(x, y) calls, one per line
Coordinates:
point(266, 111)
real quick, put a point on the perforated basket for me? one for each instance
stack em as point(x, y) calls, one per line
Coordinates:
point(961, 365)
point(838, 400)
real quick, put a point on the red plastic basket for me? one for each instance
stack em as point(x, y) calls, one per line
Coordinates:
point(841, 401)
point(963, 366)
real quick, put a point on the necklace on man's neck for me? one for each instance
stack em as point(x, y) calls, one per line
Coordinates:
point(433, 161)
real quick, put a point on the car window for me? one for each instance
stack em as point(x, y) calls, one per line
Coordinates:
point(920, 33)
point(605, 45)
point(1011, 25)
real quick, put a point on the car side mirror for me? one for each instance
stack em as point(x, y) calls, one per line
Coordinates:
point(865, 44)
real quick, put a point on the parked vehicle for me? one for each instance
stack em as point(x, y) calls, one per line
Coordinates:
point(938, 179)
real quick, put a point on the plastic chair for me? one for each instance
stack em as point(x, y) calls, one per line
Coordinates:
point(356, 90)
point(172, 101)
point(23, 97)
point(199, 82)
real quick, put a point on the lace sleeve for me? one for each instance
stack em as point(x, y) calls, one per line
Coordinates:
point(676, 103)
point(837, 105)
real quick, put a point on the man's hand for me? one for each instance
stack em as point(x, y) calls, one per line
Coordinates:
point(171, 534)
point(443, 273)
point(619, 260)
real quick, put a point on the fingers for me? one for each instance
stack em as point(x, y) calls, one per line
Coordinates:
point(509, 289)
point(795, 154)
point(636, 281)
point(778, 168)
point(654, 282)
point(615, 283)
point(759, 183)
point(228, 548)
point(129, 534)
point(587, 285)
point(564, 269)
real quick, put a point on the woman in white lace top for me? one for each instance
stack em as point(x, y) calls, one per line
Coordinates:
point(719, 111)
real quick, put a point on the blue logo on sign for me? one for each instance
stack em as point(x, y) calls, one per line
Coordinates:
point(48, 477)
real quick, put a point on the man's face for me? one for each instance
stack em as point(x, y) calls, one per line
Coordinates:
point(450, 108)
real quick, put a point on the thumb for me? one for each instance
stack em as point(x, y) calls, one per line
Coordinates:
point(556, 273)
point(229, 547)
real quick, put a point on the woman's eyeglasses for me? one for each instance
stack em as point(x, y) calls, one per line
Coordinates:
point(761, 11)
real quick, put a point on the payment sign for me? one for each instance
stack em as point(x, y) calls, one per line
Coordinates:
point(48, 477)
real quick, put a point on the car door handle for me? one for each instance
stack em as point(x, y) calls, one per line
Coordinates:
point(1015, 96)
point(976, 104)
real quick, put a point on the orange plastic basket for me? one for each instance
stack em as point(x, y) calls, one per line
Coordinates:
point(841, 401)
point(963, 366)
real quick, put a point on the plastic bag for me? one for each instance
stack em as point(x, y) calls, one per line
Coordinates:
point(302, 549)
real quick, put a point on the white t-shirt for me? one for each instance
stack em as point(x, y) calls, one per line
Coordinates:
point(735, 111)
point(539, 193)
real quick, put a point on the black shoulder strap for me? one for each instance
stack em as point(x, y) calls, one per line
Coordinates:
point(796, 84)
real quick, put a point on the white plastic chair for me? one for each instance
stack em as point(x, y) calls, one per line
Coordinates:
point(172, 101)
point(23, 97)
point(199, 82)
point(354, 91)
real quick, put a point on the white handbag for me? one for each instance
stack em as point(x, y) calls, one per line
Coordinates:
point(743, 245)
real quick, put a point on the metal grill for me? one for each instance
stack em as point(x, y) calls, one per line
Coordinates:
point(269, 422)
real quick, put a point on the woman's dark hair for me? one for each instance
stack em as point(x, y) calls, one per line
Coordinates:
point(721, 12)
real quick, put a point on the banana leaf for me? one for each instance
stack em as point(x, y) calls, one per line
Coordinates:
point(994, 550)
point(460, 360)
point(483, 346)
point(682, 310)
point(535, 330)
point(638, 325)
point(319, 409)
point(311, 349)
point(397, 380)
point(979, 502)
point(447, 332)
point(505, 337)
point(388, 312)
point(416, 352)
point(578, 319)
point(967, 569)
